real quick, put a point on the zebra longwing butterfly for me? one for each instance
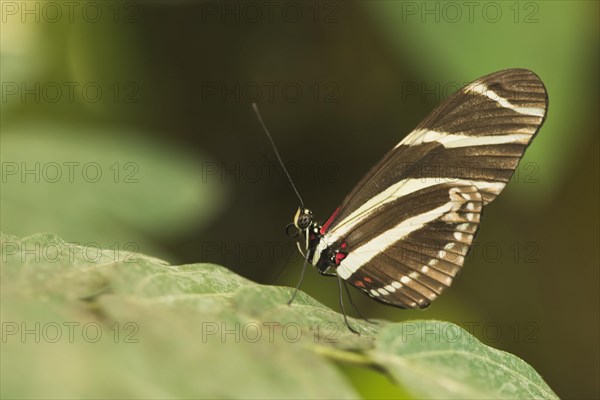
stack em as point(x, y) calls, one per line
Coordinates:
point(402, 234)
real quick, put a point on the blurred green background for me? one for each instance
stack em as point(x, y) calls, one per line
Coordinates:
point(128, 124)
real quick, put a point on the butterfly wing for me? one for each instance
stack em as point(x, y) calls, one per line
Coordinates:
point(473, 140)
point(409, 252)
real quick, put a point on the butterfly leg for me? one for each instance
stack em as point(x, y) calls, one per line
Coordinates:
point(279, 274)
point(325, 273)
point(299, 281)
point(342, 307)
point(370, 321)
point(286, 265)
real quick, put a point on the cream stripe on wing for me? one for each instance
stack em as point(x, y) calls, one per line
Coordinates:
point(399, 189)
point(482, 89)
point(454, 140)
point(365, 253)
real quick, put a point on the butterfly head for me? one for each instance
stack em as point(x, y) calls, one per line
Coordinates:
point(303, 218)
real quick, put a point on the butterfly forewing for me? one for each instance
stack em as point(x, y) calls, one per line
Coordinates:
point(404, 243)
point(474, 135)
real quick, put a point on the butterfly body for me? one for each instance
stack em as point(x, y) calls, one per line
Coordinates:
point(402, 234)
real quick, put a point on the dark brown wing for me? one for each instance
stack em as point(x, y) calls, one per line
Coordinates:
point(477, 136)
point(405, 238)
point(408, 254)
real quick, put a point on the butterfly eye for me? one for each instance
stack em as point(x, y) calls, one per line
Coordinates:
point(303, 218)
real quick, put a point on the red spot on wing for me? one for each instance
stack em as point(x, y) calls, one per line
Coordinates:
point(359, 283)
point(329, 221)
point(367, 279)
point(339, 257)
point(344, 245)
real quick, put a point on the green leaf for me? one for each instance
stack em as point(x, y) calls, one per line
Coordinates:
point(133, 326)
point(441, 360)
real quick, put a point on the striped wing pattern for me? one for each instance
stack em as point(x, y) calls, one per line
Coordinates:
point(417, 253)
point(405, 238)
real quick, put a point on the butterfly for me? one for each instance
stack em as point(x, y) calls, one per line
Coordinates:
point(402, 234)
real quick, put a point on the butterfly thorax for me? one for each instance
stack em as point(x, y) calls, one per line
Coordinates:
point(320, 254)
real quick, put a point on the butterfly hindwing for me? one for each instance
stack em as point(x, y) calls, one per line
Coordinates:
point(412, 259)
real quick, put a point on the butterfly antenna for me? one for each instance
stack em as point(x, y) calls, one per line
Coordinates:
point(255, 107)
